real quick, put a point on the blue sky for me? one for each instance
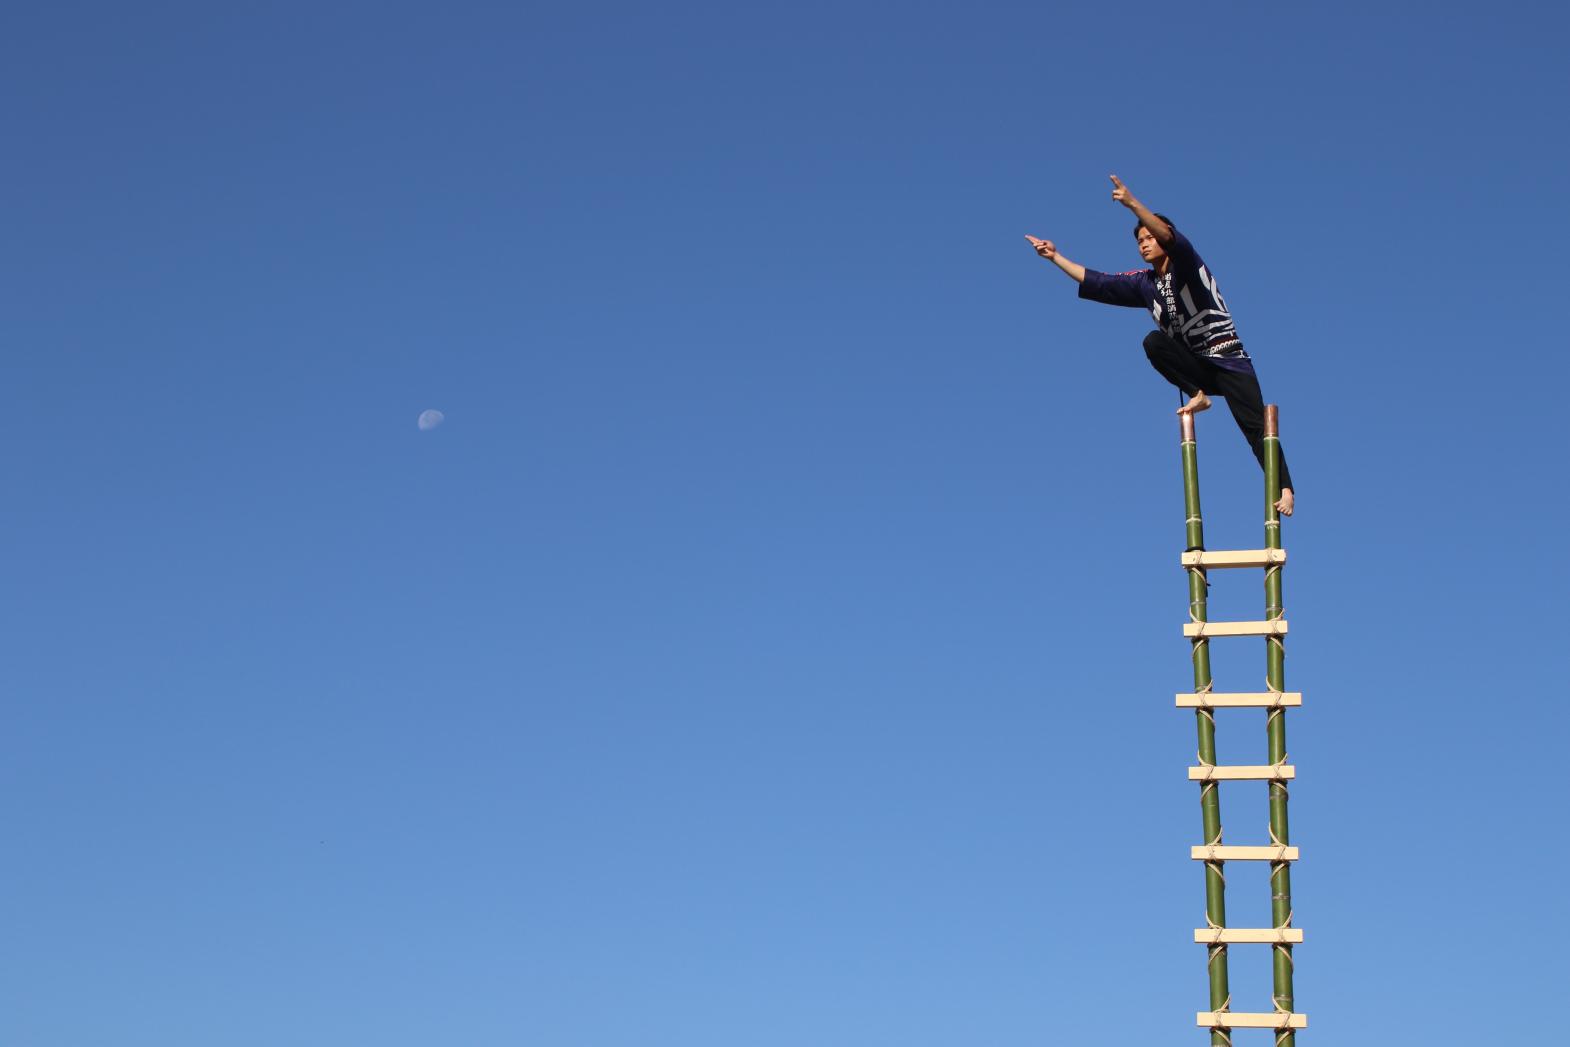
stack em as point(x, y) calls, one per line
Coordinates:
point(775, 644)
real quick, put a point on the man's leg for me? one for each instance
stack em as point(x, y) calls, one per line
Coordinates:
point(1196, 376)
point(1180, 367)
point(1248, 408)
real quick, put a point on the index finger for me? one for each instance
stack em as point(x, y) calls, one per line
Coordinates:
point(1115, 181)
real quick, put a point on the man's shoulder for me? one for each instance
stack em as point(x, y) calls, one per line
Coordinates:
point(1181, 246)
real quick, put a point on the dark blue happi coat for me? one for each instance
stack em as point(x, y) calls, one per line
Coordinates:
point(1186, 303)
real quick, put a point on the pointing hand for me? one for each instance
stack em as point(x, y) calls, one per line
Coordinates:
point(1045, 248)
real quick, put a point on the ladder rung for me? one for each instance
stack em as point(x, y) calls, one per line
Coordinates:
point(1248, 935)
point(1240, 700)
point(1235, 558)
point(1240, 1020)
point(1276, 852)
point(1272, 772)
point(1273, 627)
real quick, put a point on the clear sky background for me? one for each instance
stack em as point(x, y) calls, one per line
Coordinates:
point(776, 643)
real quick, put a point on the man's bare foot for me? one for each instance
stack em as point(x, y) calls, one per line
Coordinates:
point(1196, 403)
point(1284, 506)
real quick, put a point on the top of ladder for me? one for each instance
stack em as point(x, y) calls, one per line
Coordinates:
point(1235, 558)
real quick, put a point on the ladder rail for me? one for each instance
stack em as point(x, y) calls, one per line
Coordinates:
point(1205, 724)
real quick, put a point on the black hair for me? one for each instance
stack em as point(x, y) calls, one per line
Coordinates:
point(1140, 225)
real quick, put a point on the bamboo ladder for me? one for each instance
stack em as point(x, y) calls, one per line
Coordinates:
point(1216, 936)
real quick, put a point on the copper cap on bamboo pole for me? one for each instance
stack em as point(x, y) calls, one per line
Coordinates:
point(1186, 421)
point(1272, 420)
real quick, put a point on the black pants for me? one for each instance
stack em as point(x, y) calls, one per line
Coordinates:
point(1192, 373)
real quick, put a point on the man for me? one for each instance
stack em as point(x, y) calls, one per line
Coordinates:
point(1196, 346)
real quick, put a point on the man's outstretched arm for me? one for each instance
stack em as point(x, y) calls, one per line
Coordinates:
point(1049, 250)
point(1147, 218)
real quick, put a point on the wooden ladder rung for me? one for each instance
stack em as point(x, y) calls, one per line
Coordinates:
point(1276, 852)
point(1248, 935)
point(1239, 700)
point(1273, 627)
point(1235, 558)
point(1270, 772)
point(1241, 1020)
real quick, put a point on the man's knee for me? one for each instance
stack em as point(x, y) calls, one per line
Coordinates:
point(1157, 344)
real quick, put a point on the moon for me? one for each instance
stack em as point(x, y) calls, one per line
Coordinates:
point(429, 420)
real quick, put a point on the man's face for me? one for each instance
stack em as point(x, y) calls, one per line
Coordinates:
point(1149, 249)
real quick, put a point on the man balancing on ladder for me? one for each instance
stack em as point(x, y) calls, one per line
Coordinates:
point(1196, 346)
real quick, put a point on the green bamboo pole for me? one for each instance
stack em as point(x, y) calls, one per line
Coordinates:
point(1209, 795)
point(1276, 729)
